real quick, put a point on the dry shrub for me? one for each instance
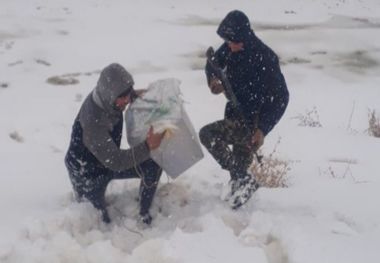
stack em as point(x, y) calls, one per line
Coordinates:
point(271, 172)
point(374, 124)
point(341, 169)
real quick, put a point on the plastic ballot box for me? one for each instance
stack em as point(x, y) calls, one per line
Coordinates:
point(161, 107)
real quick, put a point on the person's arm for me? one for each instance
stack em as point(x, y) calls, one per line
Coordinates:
point(102, 146)
point(220, 60)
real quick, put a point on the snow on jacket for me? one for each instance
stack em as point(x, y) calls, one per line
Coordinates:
point(97, 129)
point(254, 74)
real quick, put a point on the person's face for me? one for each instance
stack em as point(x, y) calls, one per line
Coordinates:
point(235, 46)
point(122, 102)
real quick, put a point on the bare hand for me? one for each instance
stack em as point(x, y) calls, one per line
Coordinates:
point(257, 139)
point(154, 139)
point(216, 86)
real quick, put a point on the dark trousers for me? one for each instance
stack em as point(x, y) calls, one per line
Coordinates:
point(90, 181)
point(218, 136)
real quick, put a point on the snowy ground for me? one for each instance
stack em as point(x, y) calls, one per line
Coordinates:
point(330, 51)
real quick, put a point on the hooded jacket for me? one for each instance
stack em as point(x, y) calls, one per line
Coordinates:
point(254, 75)
point(97, 130)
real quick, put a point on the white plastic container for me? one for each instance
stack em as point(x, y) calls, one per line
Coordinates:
point(162, 107)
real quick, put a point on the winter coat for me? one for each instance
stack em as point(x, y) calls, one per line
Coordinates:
point(97, 130)
point(253, 73)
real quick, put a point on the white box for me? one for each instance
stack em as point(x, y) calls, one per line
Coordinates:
point(180, 151)
point(162, 104)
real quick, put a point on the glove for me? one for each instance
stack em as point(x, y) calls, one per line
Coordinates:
point(257, 139)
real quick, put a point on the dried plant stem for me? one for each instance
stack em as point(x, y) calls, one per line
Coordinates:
point(352, 113)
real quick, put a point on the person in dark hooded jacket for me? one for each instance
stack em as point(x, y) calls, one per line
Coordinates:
point(257, 98)
point(94, 157)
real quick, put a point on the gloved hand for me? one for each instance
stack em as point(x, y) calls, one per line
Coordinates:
point(257, 139)
point(216, 86)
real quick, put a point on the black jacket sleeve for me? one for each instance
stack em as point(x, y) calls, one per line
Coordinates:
point(220, 57)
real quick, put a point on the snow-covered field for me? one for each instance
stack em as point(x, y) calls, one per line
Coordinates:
point(330, 53)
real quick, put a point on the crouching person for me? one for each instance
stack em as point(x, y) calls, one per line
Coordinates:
point(94, 157)
point(257, 98)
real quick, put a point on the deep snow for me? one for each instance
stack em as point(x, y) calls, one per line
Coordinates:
point(330, 58)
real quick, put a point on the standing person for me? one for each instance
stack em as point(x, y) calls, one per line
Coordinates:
point(248, 72)
point(94, 156)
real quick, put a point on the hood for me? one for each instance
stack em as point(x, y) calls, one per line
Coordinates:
point(235, 27)
point(113, 81)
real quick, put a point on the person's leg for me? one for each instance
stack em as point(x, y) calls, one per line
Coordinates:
point(216, 137)
point(245, 183)
point(73, 169)
point(242, 155)
point(97, 197)
point(150, 173)
point(89, 183)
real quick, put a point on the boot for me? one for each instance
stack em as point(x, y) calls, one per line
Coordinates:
point(145, 219)
point(248, 185)
point(234, 185)
point(105, 216)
